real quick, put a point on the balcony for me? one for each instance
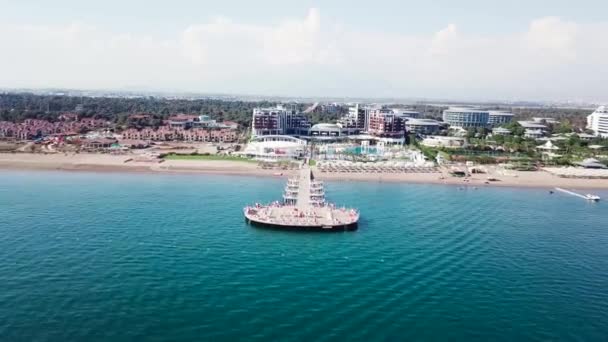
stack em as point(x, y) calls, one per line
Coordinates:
point(316, 185)
point(293, 191)
point(290, 197)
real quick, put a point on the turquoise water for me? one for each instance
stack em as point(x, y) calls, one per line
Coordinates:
point(357, 150)
point(127, 257)
point(361, 150)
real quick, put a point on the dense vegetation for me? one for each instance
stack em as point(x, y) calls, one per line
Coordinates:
point(18, 107)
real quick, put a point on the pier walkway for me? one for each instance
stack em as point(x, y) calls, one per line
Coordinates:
point(304, 176)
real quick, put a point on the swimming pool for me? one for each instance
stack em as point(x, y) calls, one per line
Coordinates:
point(361, 150)
point(356, 150)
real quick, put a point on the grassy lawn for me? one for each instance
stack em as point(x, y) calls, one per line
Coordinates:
point(207, 157)
point(312, 162)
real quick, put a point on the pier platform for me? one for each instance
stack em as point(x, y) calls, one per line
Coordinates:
point(304, 208)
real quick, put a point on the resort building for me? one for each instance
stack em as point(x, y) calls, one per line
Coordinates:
point(31, 129)
point(275, 147)
point(278, 121)
point(472, 117)
point(183, 121)
point(386, 126)
point(407, 113)
point(549, 121)
point(598, 122)
point(92, 123)
point(422, 126)
point(533, 130)
point(466, 117)
point(296, 124)
point(532, 125)
point(534, 133)
point(548, 151)
point(204, 121)
point(356, 121)
point(327, 131)
point(268, 121)
point(498, 118)
point(100, 143)
point(166, 133)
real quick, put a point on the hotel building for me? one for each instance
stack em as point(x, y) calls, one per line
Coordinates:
point(328, 131)
point(422, 126)
point(598, 122)
point(407, 113)
point(356, 121)
point(471, 117)
point(466, 117)
point(278, 121)
point(275, 147)
point(497, 118)
point(296, 124)
point(268, 121)
point(387, 126)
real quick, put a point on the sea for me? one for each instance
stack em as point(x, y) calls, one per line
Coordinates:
point(149, 257)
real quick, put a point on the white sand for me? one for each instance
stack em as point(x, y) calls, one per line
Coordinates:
point(104, 162)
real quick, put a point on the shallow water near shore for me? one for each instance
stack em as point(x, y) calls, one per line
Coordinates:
point(121, 257)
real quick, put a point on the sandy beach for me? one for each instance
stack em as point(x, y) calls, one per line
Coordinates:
point(127, 163)
point(537, 179)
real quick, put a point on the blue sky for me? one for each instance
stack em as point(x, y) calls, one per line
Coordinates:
point(360, 48)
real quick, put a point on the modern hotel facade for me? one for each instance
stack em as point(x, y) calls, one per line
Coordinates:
point(387, 126)
point(268, 121)
point(278, 121)
point(356, 121)
point(498, 118)
point(471, 117)
point(377, 123)
point(422, 126)
point(598, 122)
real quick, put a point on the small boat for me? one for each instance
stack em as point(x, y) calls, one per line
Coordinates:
point(591, 197)
point(551, 192)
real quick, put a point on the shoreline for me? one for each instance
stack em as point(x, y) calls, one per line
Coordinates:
point(123, 164)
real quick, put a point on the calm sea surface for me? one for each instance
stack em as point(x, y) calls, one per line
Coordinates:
point(127, 257)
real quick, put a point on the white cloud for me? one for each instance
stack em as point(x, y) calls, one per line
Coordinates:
point(553, 34)
point(306, 56)
point(444, 40)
